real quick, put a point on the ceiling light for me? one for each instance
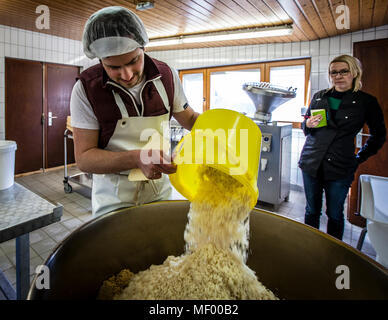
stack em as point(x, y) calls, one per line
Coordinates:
point(144, 5)
point(240, 34)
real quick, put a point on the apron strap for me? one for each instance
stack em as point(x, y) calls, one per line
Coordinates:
point(162, 92)
point(121, 105)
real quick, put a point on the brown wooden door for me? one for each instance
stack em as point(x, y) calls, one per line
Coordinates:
point(23, 112)
point(373, 56)
point(59, 82)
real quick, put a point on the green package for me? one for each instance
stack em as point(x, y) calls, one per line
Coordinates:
point(322, 112)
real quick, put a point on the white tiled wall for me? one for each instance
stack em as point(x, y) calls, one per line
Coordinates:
point(17, 43)
point(321, 52)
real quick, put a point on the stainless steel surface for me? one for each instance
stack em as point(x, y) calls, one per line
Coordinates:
point(83, 179)
point(21, 212)
point(292, 259)
point(274, 175)
point(267, 97)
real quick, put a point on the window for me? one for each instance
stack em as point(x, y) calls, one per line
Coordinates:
point(287, 76)
point(221, 87)
point(226, 90)
point(193, 86)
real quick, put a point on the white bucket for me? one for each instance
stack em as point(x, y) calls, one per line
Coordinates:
point(7, 163)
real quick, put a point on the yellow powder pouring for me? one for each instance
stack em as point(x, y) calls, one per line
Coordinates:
point(213, 265)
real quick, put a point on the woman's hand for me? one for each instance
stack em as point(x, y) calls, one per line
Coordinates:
point(313, 121)
point(155, 162)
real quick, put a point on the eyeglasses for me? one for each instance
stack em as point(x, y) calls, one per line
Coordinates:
point(334, 73)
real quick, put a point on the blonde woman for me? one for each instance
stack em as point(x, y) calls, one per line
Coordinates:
point(328, 160)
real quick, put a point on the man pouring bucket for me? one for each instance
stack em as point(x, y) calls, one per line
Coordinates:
point(113, 102)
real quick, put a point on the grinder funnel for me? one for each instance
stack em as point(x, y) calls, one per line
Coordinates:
point(267, 97)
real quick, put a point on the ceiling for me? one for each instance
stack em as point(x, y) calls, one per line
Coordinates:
point(311, 19)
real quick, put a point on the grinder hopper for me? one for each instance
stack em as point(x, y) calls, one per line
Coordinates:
point(267, 97)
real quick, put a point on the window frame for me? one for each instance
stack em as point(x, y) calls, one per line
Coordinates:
point(264, 75)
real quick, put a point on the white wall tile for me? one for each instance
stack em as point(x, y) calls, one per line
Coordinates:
point(28, 39)
point(369, 30)
point(2, 125)
point(7, 35)
point(14, 36)
point(60, 45)
point(49, 41)
point(314, 48)
point(72, 47)
point(42, 41)
point(35, 54)
point(14, 51)
point(249, 53)
point(49, 56)
point(314, 64)
point(42, 55)
point(287, 50)
point(1, 34)
point(384, 27)
point(345, 43)
point(2, 80)
point(278, 50)
point(21, 52)
point(314, 81)
point(323, 81)
point(381, 34)
point(270, 51)
point(7, 49)
point(263, 52)
point(2, 49)
point(324, 46)
point(357, 36)
point(67, 45)
point(29, 53)
point(55, 44)
point(369, 36)
point(305, 48)
point(295, 49)
point(35, 40)
point(323, 63)
point(21, 38)
point(334, 45)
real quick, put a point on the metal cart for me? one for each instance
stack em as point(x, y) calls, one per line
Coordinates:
point(82, 179)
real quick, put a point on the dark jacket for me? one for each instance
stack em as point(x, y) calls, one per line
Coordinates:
point(98, 88)
point(333, 146)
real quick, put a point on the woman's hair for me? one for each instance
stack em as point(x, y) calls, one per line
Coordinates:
point(355, 69)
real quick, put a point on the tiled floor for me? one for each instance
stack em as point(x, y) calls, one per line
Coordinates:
point(77, 210)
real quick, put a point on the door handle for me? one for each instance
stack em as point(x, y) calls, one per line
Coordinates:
point(50, 119)
point(359, 138)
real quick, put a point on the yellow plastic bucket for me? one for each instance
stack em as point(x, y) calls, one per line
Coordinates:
point(225, 140)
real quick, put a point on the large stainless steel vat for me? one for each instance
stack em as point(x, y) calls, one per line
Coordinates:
point(295, 261)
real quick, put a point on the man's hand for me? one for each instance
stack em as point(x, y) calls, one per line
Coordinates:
point(155, 162)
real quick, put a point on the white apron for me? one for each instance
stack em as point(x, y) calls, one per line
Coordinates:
point(114, 191)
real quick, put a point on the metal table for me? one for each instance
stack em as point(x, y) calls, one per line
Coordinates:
point(21, 212)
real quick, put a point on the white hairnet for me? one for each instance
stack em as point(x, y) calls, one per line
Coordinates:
point(112, 31)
